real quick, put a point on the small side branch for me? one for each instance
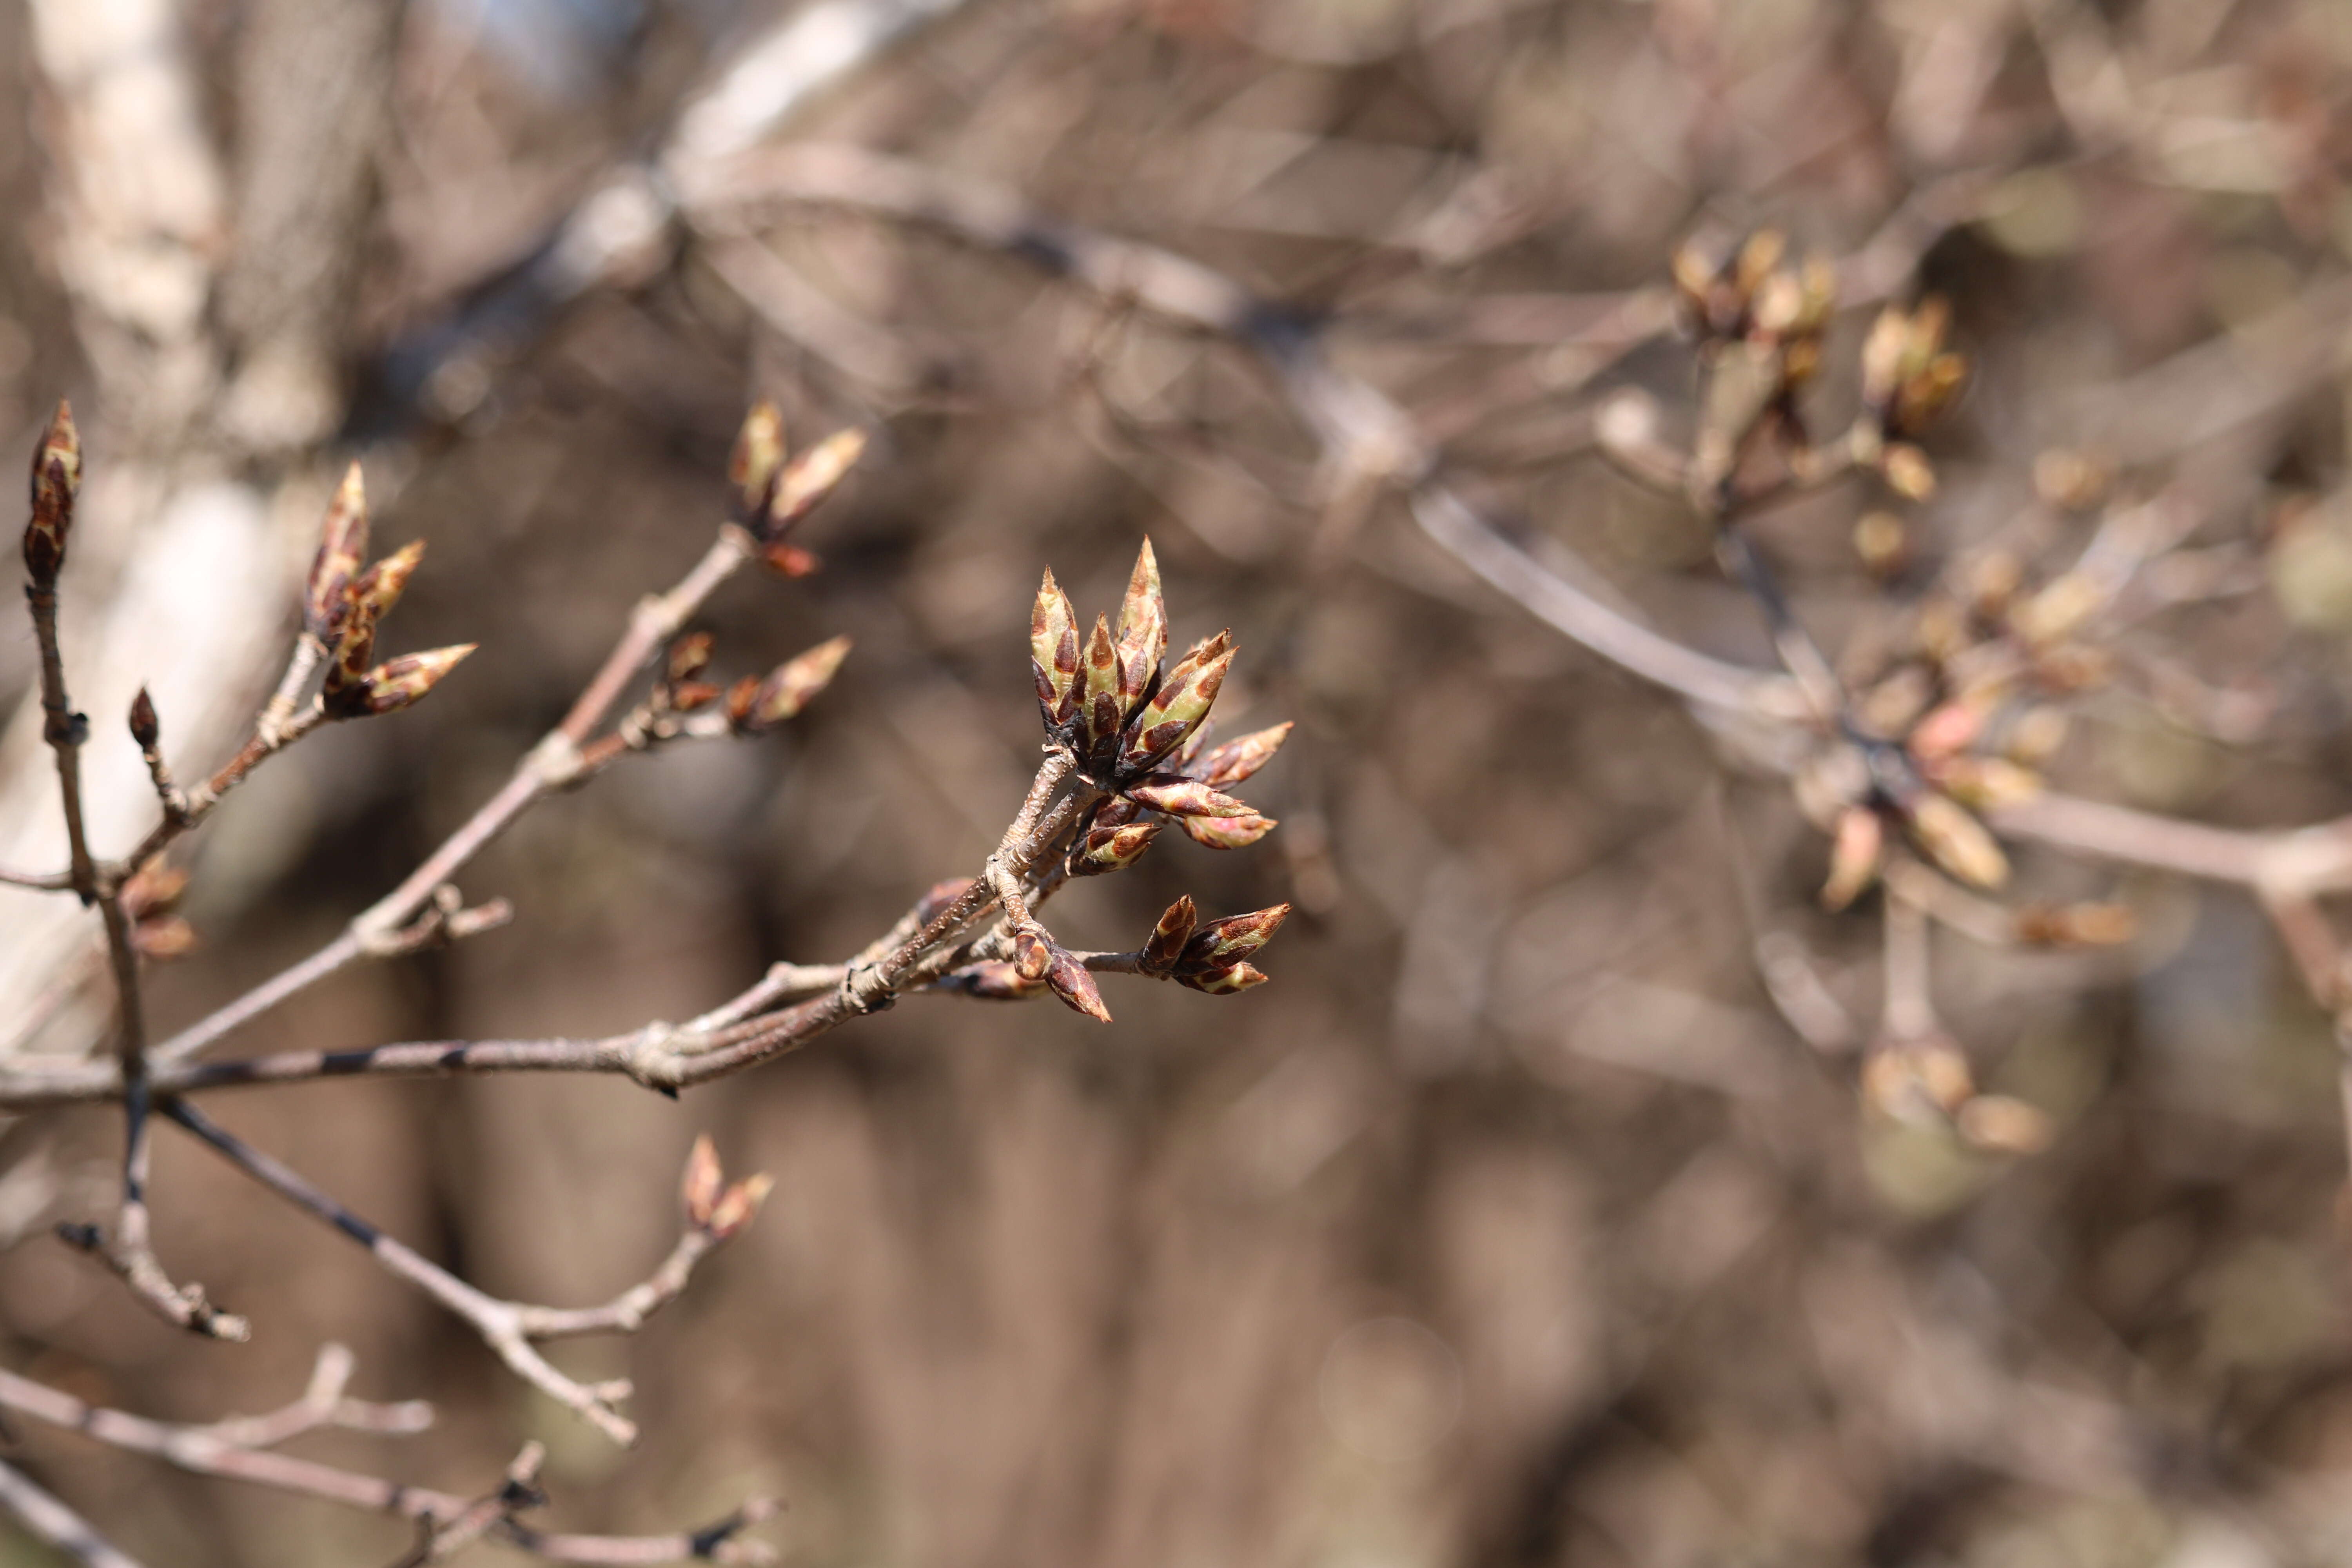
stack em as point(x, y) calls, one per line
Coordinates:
point(204, 1451)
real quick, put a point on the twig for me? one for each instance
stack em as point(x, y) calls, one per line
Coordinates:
point(501, 1324)
point(200, 1449)
point(554, 762)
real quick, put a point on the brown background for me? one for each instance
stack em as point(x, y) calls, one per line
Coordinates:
point(1509, 1225)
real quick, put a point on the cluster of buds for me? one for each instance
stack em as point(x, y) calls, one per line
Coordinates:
point(1926, 1082)
point(752, 705)
point(758, 703)
point(1759, 322)
point(772, 491)
point(1752, 294)
point(713, 1207)
point(57, 480)
point(344, 605)
point(151, 896)
point(1908, 379)
point(1212, 958)
point(1137, 731)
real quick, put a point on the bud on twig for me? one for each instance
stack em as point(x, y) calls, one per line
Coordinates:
point(1916, 1081)
point(1053, 653)
point(145, 730)
point(1075, 986)
point(343, 544)
point(810, 478)
point(1166, 944)
point(1957, 841)
point(154, 889)
point(689, 656)
point(1181, 796)
point(789, 688)
point(400, 682)
point(1102, 705)
point(378, 589)
point(1227, 832)
point(752, 465)
point(699, 1189)
point(57, 480)
point(1229, 940)
point(1142, 627)
point(1853, 858)
point(1224, 982)
point(996, 982)
point(788, 559)
point(738, 1204)
point(1106, 849)
point(1033, 955)
point(163, 938)
point(1236, 760)
point(1180, 705)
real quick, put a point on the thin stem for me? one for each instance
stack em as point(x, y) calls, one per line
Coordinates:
point(130, 1251)
point(554, 762)
point(499, 1322)
point(202, 1450)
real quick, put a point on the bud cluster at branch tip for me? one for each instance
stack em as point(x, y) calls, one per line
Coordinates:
point(713, 1207)
point(772, 490)
point(343, 606)
point(1136, 729)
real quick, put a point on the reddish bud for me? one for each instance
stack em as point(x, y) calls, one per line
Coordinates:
point(1101, 706)
point(700, 1188)
point(1222, 982)
point(1053, 653)
point(812, 477)
point(752, 465)
point(689, 656)
point(1949, 729)
point(738, 1204)
point(1142, 625)
point(1180, 796)
point(163, 938)
point(56, 480)
point(343, 544)
point(1075, 986)
point(1231, 940)
point(997, 982)
point(1033, 955)
point(1166, 944)
point(1107, 849)
point(145, 730)
point(789, 559)
point(791, 686)
point(398, 683)
point(154, 889)
point(1116, 812)
point(1227, 832)
point(380, 586)
point(347, 664)
point(689, 696)
point(1180, 705)
point(1236, 760)
point(738, 701)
